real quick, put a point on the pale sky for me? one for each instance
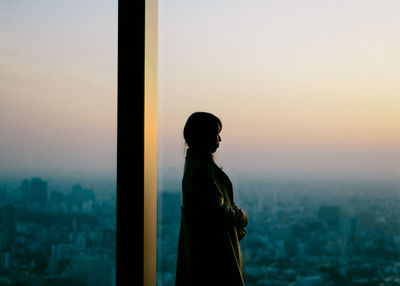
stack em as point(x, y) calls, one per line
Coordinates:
point(58, 92)
point(302, 87)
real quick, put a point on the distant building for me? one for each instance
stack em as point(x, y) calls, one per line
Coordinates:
point(82, 195)
point(8, 221)
point(25, 192)
point(65, 250)
point(38, 192)
point(3, 195)
point(92, 270)
point(169, 207)
point(348, 226)
point(4, 261)
point(279, 232)
point(330, 215)
point(53, 262)
point(4, 241)
point(56, 197)
point(80, 199)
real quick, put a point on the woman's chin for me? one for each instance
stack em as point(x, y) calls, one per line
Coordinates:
point(214, 149)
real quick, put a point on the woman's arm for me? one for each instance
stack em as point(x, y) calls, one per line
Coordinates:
point(212, 199)
point(244, 219)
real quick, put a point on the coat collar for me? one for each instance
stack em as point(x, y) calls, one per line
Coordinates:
point(199, 156)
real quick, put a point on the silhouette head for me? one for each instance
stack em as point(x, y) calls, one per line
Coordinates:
point(201, 132)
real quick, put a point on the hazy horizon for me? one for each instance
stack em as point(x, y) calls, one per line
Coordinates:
point(304, 89)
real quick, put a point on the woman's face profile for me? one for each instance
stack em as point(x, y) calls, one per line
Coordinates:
point(201, 132)
point(218, 139)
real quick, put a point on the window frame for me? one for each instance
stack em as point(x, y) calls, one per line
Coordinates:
point(137, 143)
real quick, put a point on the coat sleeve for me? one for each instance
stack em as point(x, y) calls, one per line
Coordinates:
point(211, 197)
point(244, 219)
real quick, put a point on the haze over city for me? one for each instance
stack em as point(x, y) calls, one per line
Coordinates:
point(309, 98)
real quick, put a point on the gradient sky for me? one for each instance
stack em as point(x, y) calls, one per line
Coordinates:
point(307, 88)
point(302, 87)
point(58, 92)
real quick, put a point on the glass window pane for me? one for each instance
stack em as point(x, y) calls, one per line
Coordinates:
point(58, 120)
point(308, 95)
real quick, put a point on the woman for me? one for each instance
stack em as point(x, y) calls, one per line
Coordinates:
point(212, 224)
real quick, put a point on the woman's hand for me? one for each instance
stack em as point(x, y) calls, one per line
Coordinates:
point(245, 219)
point(242, 217)
point(241, 232)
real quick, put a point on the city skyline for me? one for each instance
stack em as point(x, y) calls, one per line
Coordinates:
point(50, 236)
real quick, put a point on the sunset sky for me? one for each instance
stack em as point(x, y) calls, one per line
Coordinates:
point(307, 88)
point(58, 92)
point(303, 88)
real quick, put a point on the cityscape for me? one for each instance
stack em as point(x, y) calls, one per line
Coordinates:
point(305, 233)
point(56, 237)
point(300, 232)
point(308, 98)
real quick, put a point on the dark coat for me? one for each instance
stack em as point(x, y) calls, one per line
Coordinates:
point(208, 251)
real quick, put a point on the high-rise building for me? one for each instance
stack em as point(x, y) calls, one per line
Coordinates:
point(25, 192)
point(81, 195)
point(56, 197)
point(38, 190)
point(4, 241)
point(9, 221)
point(348, 226)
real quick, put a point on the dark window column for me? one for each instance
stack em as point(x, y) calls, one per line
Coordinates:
point(137, 142)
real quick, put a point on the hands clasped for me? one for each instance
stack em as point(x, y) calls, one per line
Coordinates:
point(241, 222)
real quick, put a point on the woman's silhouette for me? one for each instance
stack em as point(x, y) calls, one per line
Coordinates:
point(212, 224)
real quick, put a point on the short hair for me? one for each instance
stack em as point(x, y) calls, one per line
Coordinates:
point(201, 129)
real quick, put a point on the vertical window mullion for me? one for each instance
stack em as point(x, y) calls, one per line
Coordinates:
point(137, 142)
